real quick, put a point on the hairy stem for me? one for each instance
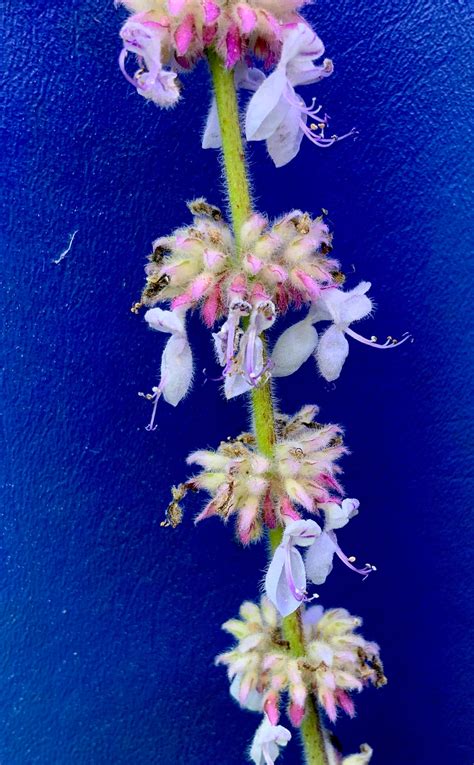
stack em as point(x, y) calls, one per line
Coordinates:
point(232, 146)
point(262, 403)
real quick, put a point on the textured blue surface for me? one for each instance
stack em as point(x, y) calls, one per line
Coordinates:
point(109, 623)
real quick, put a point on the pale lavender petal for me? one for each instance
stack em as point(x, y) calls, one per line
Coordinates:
point(302, 532)
point(176, 369)
point(285, 581)
point(267, 108)
point(299, 40)
point(293, 348)
point(318, 559)
point(254, 700)
point(336, 516)
point(354, 308)
point(248, 78)
point(165, 321)
point(331, 353)
point(284, 143)
point(211, 138)
point(319, 310)
point(236, 385)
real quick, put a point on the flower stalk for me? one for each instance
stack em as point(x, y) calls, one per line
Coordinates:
point(262, 404)
point(232, 146)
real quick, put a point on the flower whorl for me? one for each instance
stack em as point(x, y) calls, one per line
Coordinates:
point(336, 662)
point(263, 491)
point(285, 261)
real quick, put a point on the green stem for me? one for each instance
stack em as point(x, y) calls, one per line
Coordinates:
point(262, 403)
point(232, 146)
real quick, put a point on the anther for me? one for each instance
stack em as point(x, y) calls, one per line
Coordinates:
point(373, 339)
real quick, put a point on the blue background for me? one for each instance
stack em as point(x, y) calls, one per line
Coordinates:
point(110, 623)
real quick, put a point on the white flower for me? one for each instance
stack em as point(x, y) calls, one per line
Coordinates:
point(176, 361)
point(285, 582)
point(275, 112)
point(341, 308)
point(319, 558)
point(267, 742)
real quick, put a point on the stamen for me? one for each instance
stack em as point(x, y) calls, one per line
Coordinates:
point(154, 396)
point(368, 568)
point(390, 342)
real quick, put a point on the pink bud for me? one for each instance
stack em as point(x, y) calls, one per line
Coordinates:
point(296, 714)
point(176, 6)
point(233, 46)
point(253, 263)
point(327, 701)
point(246, 522)
point(258, 293)
point(248, 18)
point(274, 25)
point(269, 516)
point(310, 285)
point(298, 694)
point(278, 681)
point(287, 509)
point(271, 707)
point(181, 300)
point(208, 512)
point(277, 273)
point(269, 661)
point(238, 287)
point(329, 480)
point(345, 701)
point(212, 257)
point(211, 12)
point(184, 35)
point(252, 228)
point(200, 285)
point(208, 34)
point(211, 306)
